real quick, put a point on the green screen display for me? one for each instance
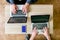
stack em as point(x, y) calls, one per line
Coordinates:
point(39, 18)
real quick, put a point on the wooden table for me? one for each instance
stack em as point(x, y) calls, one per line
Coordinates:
point(34, 10)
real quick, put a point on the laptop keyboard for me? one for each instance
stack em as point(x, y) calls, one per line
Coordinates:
point(18, 13)
point(39, 25)
point(17, 20)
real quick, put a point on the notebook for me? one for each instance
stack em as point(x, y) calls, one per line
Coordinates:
point(19, 17)
point(40, 21)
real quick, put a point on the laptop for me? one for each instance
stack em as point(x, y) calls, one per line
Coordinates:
point(19, 17)
point(40, 21)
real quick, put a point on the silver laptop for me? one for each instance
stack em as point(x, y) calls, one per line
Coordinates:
point(19, 17)
point(40, 21)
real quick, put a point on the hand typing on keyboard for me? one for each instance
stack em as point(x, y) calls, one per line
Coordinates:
point(46, 33)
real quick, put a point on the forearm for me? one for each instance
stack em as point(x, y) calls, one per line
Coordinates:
point(31, 38)
point(48, 38)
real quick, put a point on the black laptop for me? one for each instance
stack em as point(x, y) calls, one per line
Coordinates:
point(40, 21)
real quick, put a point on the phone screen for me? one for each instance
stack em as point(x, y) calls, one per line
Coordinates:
point(24, 28)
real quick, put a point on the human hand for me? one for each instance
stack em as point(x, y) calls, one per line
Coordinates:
point(25, 8)
point(46, 33)
point(34, 33)
point(14, 8)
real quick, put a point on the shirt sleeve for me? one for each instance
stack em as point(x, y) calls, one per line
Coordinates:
point(10, 1)
point(31, 1)
point(28, 1)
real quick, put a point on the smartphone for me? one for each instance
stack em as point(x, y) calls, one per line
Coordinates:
point(23, 28)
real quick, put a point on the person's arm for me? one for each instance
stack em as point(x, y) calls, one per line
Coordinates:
point(28, 2)
point(48, 37)
point(14, 7)
point(46, 33)
point(31, 1)
point(34, 33)
point(26, 7)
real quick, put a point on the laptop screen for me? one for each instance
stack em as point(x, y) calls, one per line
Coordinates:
point(39, 18)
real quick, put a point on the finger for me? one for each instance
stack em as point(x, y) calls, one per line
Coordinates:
point(35, 28)
point(44, 29)
point(16, 8)
point(23, 10)
point(14, 11)
point(47, 29)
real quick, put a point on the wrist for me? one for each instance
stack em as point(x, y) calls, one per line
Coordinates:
point(48, 38)
point(12, 4)
point(27, 4)
point(32, 38)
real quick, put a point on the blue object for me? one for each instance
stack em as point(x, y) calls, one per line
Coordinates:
point(24, 28)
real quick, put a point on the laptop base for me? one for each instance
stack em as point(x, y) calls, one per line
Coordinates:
point(17, 20)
